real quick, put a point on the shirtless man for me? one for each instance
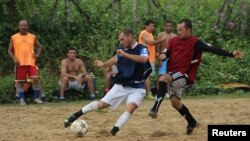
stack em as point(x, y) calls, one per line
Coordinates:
point(166, 34)
point(70, 76)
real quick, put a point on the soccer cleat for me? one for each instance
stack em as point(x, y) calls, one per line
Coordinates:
point(190, 128)
point(22, 102)
point(38, 101)
point(114, 130)
point(67, 123)
point(153, 114)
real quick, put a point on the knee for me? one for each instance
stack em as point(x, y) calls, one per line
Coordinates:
point(65, 80)
point(175, 102)
point(102, 105)
point(165, 78)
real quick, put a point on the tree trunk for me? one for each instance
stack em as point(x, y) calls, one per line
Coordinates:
point(81, 11)
point(245, 12)
point(192, 8)
point(120, 8)
point(134, 18)
point(53, 12)
point(67, 14)
point(148, 8)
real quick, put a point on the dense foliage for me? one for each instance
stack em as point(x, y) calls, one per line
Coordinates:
point(92, 27)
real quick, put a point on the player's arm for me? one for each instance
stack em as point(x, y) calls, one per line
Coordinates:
point(64, 70)
point(83, 69)
point(10, 52)
point(39, 47)
point(142, 58)
point(110, 62)
point(149, 41)
point(202, 46)
point(158, 46)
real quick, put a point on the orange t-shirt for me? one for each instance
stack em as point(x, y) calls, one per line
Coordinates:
point(151, 48)
point(24, 48)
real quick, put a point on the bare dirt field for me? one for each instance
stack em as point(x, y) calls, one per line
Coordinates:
point(45, 122)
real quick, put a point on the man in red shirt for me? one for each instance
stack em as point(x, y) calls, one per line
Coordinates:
point(184, 53)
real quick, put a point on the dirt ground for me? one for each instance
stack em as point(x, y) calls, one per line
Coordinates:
point(45, 122)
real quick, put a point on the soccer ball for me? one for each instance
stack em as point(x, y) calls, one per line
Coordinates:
point(79, 127)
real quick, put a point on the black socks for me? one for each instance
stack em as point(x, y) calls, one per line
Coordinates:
point(160, 96)
point(185, 113)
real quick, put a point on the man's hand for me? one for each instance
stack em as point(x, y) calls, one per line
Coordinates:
point(121, 53)
point(162, 56)
point(99, 63)
point(238, 54)
point(16, 61)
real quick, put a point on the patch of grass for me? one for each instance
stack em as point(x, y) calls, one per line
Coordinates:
point(238, 94)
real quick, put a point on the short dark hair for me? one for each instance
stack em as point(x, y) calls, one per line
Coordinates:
point(148, 22)
point(168, 21)
point(71, 48)
point(187, 22)
point(127, 31)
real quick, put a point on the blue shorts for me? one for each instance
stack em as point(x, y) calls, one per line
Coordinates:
point(163, 68)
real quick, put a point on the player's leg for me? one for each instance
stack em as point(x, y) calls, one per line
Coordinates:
point(163, 81)
point(33, 74)
point(148, 82)
point(21, 74)
point(90, 83)
point(114, 98)
point(133, 101)
point(175, 97)
point(63, 86)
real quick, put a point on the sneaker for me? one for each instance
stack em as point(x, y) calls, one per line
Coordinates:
point(67, 123)
point(44, 99)
point(61, 99)
point(38, 101)
point(16, 99)
point(22, 102)
point(114, 130)
point(92, 97)
point(153, 114)
point(149, 96)
point(190, 128)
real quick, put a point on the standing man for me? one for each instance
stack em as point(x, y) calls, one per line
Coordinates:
point(70, 76)
point(166, 34)
point(21, 50)
point(184, 53)
point(146, 38)
point(133, 69)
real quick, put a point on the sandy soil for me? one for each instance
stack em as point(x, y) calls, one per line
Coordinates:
point(45, 122)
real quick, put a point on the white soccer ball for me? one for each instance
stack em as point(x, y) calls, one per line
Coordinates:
point(79, 127)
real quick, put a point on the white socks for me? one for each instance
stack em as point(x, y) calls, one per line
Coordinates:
point(123, 119)
point(93, 106)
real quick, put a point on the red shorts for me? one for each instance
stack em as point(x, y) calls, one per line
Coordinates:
point(22, 72)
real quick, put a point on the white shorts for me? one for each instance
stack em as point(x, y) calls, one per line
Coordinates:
point(72, 84)
point(119, 94)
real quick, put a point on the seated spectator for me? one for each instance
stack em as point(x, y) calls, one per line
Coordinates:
point(71, 78)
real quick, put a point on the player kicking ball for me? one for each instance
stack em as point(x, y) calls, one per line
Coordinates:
point(133, 69)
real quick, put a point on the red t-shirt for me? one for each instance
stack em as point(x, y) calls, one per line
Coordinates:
point(182, 52)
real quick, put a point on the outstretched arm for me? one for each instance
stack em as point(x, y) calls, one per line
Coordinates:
point(110, 62)
point(202, 46)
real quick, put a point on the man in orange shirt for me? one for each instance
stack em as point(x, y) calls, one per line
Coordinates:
point(146, 38)
point(21, 50)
